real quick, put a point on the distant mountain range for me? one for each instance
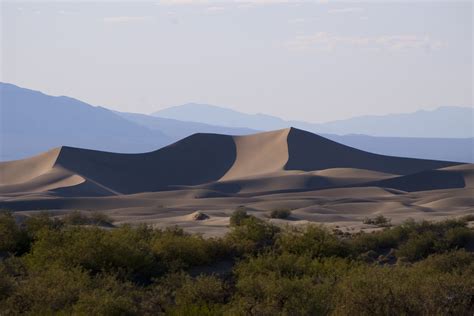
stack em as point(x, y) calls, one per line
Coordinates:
point(443, 122)
point(32, 122)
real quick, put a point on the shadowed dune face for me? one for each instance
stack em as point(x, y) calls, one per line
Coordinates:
point(426, 180)
point(194, 160)
point(303, 155)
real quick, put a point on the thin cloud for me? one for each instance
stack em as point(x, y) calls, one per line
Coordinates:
point(241, 2)
point(215, 9)
point(125, 19)
point(323, 41)
point(345, 10)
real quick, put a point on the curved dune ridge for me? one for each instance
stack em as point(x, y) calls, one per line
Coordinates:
point(288, 159)
point(259, 154)
point(18, 171)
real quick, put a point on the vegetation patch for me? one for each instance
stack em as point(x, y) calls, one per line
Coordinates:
point(48, 266)
point(379, 220)
point(280, 213)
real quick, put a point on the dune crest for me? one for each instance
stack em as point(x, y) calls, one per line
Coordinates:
point(259, 154)
point(270, 159)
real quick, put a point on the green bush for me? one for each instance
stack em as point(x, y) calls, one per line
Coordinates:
point(418, 246)
point(94, 218)
point(87, 270)
point(379, 220)
point(181, 251)
point(108, 296)
point(314, 241)
point(50, 290)
point(251, 236)
point(282, 214)
point(238, 216)
point(75, 218)
point(35, 223)
point(202, 291)
point(12, 238)
point(100, 219)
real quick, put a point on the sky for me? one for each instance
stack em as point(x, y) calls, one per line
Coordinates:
point(300, 60)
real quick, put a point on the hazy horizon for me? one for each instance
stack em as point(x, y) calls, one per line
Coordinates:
point(311, 61)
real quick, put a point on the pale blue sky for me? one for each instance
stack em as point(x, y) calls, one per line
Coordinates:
point(312, 60)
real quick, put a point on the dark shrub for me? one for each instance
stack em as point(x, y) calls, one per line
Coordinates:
point(314, 241)
point(12, 238)
point(282, 214)
point(48, 291)
point(179, 250)
point(418, 246)
point(35, 223)
point(379, 220)
point(238, 216)
point(100, 219)
point(251, 236)
point(75, 218)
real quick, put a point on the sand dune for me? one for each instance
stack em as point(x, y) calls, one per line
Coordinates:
point(205, 158)
point(320, 180)
point(259, 154)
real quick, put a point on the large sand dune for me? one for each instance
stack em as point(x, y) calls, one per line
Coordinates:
point(320, 180)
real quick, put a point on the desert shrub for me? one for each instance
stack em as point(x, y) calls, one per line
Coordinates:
point(375, 241)
point(446, 285)
point(446, 294)
point(6, 283)
point(418, 246)
point(238, 216)
point(467, 218)
point(108, 296)
point(124, 251)
point(275, 295)
point(75, 218)
point(286, 284)
point(179, 250)
point(314, 241)
point(202, 291)
point(179, 294)
point(87, 270)
point(43, 220)
point(458, 237)
point(458, 261)
point(428, 238)
point(100, 219)
point(294, 266)
point(282, 214)
point(373, 290)
point(9, 232)
point(50, 290)
point(415, 240)
point(94, 218)
point(379, 220)
point(251, 236)
point(12, 238)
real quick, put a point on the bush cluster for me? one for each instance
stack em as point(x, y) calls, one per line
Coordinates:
point(379, 220)
point(50, 266)
point(280, 213)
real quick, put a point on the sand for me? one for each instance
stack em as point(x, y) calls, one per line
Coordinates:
point(319, 180)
